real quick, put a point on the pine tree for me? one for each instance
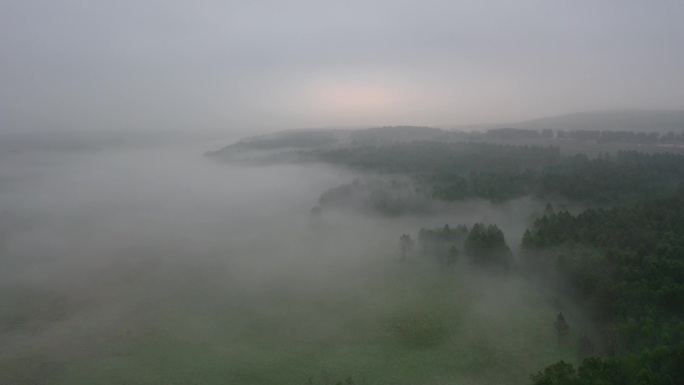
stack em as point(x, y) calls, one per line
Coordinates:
point(405, 244)
point(561, 327)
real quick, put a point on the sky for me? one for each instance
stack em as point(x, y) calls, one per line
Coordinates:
point(264, 65)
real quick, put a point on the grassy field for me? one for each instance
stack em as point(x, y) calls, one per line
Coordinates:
point(392, 323)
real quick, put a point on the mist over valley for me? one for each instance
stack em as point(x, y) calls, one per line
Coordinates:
point(347, 193)
point(160, 256)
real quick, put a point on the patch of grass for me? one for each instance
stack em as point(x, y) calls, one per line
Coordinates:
point(403, 327)
point(418, 329)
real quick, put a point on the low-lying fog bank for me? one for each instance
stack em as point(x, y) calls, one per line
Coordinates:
point(157, 265)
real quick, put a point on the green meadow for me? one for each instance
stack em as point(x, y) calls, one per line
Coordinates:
point(388, 323)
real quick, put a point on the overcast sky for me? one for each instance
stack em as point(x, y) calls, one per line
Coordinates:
point(236, 65)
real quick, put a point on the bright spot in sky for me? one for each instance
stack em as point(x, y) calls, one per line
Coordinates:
point(350, 97)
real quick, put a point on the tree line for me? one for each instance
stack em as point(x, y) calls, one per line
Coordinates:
point(466, 170)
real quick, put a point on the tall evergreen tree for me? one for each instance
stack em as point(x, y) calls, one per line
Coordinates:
point(405, 245)
point(561, 327)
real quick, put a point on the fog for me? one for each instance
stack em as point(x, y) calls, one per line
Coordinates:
point(154, 264)
point(128, 257)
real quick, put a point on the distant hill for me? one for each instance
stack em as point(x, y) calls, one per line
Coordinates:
point(307, 139)
point(627, 128)
point(395, 134)
point(627, 120)
point(661, 121)
point(65, 141)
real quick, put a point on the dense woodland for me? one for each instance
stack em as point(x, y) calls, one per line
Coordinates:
point(626, 264)
point(463, 170)
point(621, 258)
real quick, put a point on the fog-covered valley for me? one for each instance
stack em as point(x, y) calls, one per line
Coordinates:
point(158, 265)
point(341, 193)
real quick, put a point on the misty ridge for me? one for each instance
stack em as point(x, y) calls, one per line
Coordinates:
point(392, 255)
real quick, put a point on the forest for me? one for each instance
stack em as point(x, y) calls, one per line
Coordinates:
point(463, 170)
point(625, 265)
